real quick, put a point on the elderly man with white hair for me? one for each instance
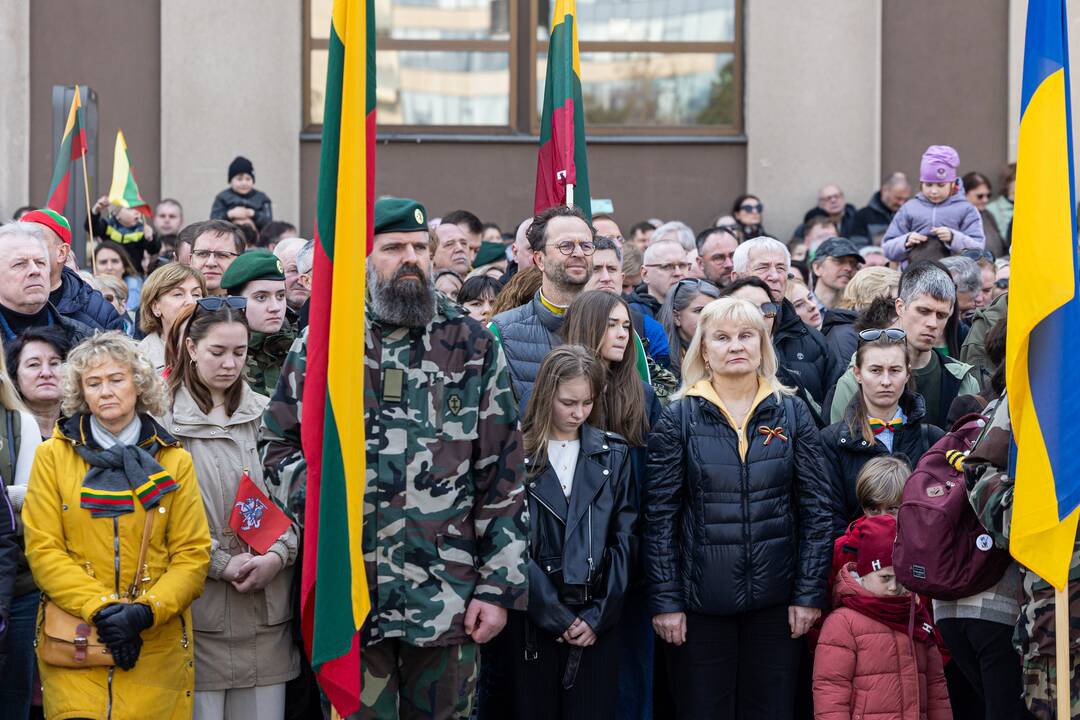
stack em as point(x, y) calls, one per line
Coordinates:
point(305, 263)
point(24, 285)
point(801, 348)
point(295, 294)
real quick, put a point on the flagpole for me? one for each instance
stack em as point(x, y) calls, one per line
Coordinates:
point(1061, 637)
point(569, 196)
point(89, 223)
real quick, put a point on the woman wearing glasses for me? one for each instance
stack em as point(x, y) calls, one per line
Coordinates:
point(737, 523)
point(749, 211)
point(978, 192)
point(244, 653)
point(884, 418)
point(680, 313)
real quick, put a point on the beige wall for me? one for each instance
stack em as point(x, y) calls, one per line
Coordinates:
point(812, 109)
point(15, 110)
point(230, 85)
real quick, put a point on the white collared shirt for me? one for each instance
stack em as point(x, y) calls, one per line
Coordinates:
point(563, 455)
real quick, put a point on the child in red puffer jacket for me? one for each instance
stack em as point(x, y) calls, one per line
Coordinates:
point(878, 654)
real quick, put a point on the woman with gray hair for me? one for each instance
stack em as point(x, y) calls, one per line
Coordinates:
point(110, 486)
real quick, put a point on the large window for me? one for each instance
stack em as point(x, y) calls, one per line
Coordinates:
point(477, 66)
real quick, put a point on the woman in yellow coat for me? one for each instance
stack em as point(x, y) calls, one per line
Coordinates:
point(84, 527)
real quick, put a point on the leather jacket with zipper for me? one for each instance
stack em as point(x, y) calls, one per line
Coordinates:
point(582, 549)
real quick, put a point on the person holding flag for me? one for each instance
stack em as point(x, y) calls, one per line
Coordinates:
point(244, 653)
point(127, 221)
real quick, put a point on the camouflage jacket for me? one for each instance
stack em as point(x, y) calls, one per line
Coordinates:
point(279, 445)
point(444, 506)
point(265, 353)
point(990, 490)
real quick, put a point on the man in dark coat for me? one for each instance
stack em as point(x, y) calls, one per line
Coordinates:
point(72, 296)
point(872, 221)
point(801, 348)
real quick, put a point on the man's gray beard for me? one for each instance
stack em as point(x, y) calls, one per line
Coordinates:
point(402, 303)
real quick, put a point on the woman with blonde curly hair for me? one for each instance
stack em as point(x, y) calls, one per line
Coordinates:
point(110, 481)
point(865, 286)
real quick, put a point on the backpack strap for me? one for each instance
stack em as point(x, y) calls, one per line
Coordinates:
point(9, 447)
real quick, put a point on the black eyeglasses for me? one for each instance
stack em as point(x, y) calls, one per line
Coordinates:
point(752, 207)
point(891, 334)
point(566, 247)
point(217, 302)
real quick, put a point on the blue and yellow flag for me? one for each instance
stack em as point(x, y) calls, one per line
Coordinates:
point(1043, 352)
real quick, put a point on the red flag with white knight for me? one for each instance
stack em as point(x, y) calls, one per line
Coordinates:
point(255, 518)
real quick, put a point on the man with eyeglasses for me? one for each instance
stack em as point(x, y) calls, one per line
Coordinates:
point(927, 295)
point(833, 205)
point(716, 254)
point(216, 245)
point(445, 530)
point(664, 265)
point(802, 349)
point(562, 247)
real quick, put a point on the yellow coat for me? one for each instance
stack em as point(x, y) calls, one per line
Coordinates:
point(71, 556)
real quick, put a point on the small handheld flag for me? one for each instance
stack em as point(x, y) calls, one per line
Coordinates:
point(254, 518)
point(72, 147)
point(124, 191)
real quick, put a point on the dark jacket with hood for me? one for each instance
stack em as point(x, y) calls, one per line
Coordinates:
point(838, 327)
point(256, 200)
point(871, 222)
point(642, 301)
point(735, 523)
point(582, 548)
point(527, 334)
point(75, 331)
point(846, 453)
point(803, 351)
point(76, 299)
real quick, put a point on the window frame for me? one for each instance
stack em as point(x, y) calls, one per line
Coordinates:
point(524, 121)
point(510, 46)
point(733, 47)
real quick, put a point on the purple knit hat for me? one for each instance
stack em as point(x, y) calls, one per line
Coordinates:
point(939, 164)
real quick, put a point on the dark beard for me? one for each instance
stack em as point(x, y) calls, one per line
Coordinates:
point(404, 303)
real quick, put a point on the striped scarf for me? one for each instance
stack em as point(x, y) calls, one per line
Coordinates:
point(119, 475)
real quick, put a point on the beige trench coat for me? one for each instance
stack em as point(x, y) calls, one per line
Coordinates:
point(241, 640)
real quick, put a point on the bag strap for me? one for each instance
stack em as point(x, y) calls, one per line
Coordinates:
point(136, 583)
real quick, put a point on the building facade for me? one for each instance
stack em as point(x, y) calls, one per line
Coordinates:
point(689, 102)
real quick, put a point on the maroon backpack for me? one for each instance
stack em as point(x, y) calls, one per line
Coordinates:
point(942, 550)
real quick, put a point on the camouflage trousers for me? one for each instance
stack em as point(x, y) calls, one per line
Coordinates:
point(1040, 686)
point(404, 682)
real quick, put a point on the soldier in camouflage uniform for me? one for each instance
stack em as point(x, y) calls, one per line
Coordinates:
point(990, 489)
point(259, 278)
point(445, 527)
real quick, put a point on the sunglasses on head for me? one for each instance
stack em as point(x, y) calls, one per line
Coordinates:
point(217, 302)
point(769, 310)
point(891, 334)
point(1002, 284)
point(977, 255)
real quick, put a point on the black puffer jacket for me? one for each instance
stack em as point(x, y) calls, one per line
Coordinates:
point(846, 453)
point(582, 549)
point(838, 327)
point(256, 200)
point(78, 301)
point(803, 351)
point(725, 535)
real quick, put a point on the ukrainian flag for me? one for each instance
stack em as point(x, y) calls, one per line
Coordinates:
point(1043, 351)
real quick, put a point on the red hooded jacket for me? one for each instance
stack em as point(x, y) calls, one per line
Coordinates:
point(865, 670)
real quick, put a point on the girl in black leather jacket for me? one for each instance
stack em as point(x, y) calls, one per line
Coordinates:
point(581, 545)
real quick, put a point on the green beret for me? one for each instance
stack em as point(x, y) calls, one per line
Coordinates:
point(399, 215)
point(488, 253)
point(254, 265)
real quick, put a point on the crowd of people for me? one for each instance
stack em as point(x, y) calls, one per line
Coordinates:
point(660, 474)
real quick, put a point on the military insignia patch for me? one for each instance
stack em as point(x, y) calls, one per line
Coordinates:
point(453, 403)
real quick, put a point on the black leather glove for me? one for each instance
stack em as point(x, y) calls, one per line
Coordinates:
point(119, 626)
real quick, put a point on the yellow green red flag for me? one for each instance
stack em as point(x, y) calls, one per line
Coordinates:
point(72, 146)
point(124, 191)
point(334, 593)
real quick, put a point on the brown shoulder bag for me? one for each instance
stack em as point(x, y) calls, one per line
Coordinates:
point(65, 640)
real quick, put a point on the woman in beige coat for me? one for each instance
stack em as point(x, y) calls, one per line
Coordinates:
point(244, 652)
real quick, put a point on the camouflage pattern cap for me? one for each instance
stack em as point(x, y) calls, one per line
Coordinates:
point(399, 215)
point(254, 265)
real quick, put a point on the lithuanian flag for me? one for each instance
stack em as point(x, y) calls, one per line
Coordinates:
point(124, 191)
point(72, 147)
point(1044, 313)
point(333, 592)
point(562, 159)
